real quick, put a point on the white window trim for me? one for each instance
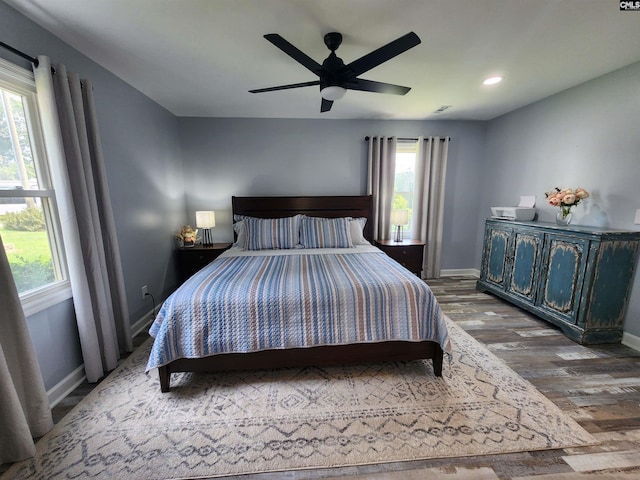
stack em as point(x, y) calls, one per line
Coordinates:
point(21, 80)
point(39, 299)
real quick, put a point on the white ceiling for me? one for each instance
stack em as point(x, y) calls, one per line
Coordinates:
point(200, 57)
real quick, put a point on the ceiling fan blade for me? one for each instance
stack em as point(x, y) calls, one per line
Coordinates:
point(326, 105)
point(377, 87)
point(286, 87)
point(295, 53)
point(381, 55)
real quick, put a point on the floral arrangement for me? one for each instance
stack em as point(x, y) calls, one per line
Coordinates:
point(187, 235)
point(566, 198)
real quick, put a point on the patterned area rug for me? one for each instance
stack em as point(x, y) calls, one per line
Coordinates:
point(299, 418)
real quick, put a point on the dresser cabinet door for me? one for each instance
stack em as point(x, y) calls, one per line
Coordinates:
point(611, 287)
point(496, 255)
point(563, 271)
point(527, 249)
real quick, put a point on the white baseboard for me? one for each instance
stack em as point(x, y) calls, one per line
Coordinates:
point(631, 341)
point(67, 385)
point(143, 323)
point(473, 272)
point(63, 388)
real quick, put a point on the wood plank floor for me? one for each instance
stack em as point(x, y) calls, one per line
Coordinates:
point(599, 386)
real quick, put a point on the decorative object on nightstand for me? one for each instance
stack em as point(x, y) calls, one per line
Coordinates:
point(408, 253)
point(190, 260)
point(399, 218)
point(187, 236)
point(206, 220)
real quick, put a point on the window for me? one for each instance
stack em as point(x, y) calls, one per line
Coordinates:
point(404, 180)
point(28, 217)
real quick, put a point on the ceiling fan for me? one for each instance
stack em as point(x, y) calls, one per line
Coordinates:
point(335, 78)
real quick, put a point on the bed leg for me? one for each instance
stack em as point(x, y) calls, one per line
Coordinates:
point(165, 378)
point(437, 362)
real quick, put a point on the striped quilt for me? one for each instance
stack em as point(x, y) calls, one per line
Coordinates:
point(277, 301)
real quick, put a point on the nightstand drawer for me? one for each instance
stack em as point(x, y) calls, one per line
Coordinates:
point(191, 259)
point(408, 253)
point(409, 257)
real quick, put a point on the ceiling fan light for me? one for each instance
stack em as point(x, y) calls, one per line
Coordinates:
point(333, 92)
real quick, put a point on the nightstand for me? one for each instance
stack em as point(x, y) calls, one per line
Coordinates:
point(408, 253)
point(191, 259)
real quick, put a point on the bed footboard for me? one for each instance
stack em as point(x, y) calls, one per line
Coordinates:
point(299, 357)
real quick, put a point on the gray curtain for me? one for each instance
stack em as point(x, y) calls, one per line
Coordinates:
point(24, 406)
point(380, 179)
point(88, 228)
point(428, 210)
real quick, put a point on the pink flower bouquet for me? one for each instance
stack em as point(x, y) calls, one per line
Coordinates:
point(566, 198)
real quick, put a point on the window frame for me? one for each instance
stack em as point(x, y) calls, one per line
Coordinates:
point(21, 82)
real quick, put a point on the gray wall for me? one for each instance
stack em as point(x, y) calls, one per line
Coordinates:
point(224, 157)
point(586, 136)
point(142, 155)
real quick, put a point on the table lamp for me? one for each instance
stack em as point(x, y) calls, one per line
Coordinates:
point(399, 218)
point(206, 220)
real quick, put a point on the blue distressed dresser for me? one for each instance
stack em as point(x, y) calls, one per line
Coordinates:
point(576, 277)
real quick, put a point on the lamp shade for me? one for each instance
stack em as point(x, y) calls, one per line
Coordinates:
point(400, 216)
point(333, 92)
point(205, 219)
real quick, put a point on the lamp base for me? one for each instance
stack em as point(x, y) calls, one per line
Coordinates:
point(206, 236)
point(399, 235)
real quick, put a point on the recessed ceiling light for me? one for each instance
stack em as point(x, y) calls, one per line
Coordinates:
point(492, 80)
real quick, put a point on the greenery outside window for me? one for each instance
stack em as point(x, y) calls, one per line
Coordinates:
point(28, 216)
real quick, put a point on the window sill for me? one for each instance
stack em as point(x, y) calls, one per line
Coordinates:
point(38, 300)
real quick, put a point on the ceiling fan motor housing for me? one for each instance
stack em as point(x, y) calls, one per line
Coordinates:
point(331, 76)
point(332, 64)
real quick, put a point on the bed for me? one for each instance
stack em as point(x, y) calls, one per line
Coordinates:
point(323, 297)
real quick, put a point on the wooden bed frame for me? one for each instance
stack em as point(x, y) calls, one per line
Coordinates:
point(330, 207)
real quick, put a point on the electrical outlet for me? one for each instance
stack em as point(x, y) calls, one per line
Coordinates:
point(637, 220)
point(144, 292)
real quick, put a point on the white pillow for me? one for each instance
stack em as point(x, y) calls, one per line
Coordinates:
point(241, 235)
point(356, 226)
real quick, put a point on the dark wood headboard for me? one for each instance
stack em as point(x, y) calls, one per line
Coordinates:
point(329, 207)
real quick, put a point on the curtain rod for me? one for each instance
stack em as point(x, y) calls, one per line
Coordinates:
point(19, 53)
point(402, 139)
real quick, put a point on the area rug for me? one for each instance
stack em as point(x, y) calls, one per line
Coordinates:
point(212, 425)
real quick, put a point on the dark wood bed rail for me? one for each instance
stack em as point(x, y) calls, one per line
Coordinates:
point(323, 356)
